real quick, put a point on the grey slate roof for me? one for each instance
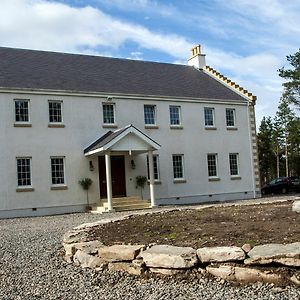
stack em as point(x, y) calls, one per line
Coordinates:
point(31, 69)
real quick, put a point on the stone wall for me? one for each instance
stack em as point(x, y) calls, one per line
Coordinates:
point(273, 263)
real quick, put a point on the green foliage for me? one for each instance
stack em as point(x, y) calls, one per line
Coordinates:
point(140, 182)
point(292, 77)
point(85, 183)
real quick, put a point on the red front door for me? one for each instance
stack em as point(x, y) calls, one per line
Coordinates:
point(117, 176)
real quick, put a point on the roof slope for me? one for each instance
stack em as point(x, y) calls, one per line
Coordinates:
point(31, 69)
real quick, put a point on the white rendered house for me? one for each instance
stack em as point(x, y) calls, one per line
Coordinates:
point(64, 117)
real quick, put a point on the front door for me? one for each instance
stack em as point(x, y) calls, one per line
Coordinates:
point(117, 176)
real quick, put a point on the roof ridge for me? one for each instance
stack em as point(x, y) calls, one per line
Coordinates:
point(231, 84)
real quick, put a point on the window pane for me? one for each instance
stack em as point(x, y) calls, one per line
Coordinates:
point(55, 113)
point(212, 164)
point(230, 116)
point(23, 171)
point(22, 111)
point(57, 170)
point(155, 167)
point(233, 161)
point(178, 166)
point(108, 114)
point(175, 115)
point(149, 114)
point(209, 116)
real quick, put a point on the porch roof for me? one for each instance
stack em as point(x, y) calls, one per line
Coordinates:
point(128, 138)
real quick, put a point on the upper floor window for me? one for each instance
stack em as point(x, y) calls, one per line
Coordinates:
point(212, 165)
point(24, 171)
point(155, 167)
point(22, 110)
point(55, 111)
point(108, 113)
point(150, 114)
point(209, 116)
point(178, 168)
point(57, 170)
point(230, 117)
point(234, 164)
point(175, 117)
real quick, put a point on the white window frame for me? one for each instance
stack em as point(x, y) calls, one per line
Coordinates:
point(234, 117)
point(15, 110)
point(64, 170)
point(61, 111)
point(237, 165)
point(216, 165)
point(213, 117)
point(179, 115)
point(155, 113)
point(114, 113)
point(182, 167)
point(155, 159)
point(30, 172)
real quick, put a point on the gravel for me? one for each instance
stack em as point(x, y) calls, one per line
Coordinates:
point(31, 267)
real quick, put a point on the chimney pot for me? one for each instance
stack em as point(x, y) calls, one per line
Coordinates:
point(197, 59)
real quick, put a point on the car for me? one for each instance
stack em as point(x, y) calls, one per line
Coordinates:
point(278, 185)
point(294, 183)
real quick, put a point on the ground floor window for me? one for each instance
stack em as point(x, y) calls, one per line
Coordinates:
point(178, 169)
point(24, 171)
point(155, 167)
point(212, 165)
point(57, 170)
point(233, 162)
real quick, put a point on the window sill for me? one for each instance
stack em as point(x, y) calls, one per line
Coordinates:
point(214, 179)
point(210, 128)
point(179, 181)
point(151, 127)
point(231, 128)
point(155, 182)
point(22, 124)
point(24, 189)
point(56, 125)
point(109, 126)
point(58, 187)
point(235, 178)
point(176, 127)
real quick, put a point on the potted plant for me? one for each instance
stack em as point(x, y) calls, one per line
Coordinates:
point(86, 183)
point(140, 182)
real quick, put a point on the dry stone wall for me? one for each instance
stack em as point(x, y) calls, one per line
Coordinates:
point(230, 263)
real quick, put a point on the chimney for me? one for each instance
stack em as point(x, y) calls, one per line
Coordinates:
point(197, 59)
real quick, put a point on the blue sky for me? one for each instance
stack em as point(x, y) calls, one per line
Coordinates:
point(246, 40)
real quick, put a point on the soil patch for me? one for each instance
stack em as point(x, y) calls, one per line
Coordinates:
point(215, 226)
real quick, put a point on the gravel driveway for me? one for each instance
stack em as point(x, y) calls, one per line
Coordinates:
point(30, 268)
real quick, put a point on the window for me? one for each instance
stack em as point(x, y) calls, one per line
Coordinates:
point(55, 111)
point(233, 162)
point(155, 167)
point(212, 165)
point(22, 110)
point(24, 171)
point(209, 116)
point(108, 113)
point(175, 115)
point(178, 172)
point(149, 114)
point(57, 170)
point(230, 117)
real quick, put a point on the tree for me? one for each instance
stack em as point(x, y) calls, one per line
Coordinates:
point(266, 153)
point(292, 85)
point(86, 183)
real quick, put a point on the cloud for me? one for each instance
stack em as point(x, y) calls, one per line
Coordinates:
point(48, 25)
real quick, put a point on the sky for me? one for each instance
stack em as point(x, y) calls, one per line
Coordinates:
point(245, 40)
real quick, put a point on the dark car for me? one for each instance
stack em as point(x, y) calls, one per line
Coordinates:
point(276, 186)
point(294, 183)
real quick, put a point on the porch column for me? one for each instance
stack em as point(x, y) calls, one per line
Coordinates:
point(108, 181)
point(151, 179)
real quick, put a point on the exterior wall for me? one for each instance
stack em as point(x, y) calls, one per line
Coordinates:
point(82, 117)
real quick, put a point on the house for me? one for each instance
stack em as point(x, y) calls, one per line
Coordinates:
point(64, 117)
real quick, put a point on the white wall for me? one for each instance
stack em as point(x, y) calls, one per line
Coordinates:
point(83, 125)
